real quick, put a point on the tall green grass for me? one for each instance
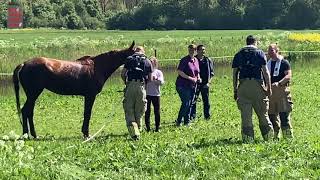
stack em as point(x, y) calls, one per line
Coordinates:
point(205, 150)
point(17, 46)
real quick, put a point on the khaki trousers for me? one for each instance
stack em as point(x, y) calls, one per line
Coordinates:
point(134, 105)
point(251, 94)
point(281, 106)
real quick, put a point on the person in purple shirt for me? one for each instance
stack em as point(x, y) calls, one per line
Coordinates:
point(188, 75)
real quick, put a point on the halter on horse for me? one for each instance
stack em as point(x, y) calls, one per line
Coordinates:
point(85, 76)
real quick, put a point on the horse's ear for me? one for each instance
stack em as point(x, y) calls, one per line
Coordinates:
point(132, 45)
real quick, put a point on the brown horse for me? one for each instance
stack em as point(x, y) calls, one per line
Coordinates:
point(85, 76)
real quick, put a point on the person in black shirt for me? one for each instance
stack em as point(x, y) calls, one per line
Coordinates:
point(206, 74)
point(280, 101)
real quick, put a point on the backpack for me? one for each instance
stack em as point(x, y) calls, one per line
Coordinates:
point(136, 66)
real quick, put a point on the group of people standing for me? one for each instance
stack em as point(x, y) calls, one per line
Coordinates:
point(195, 72)
point(258, 84)
point(263, 86)
point(143, 80)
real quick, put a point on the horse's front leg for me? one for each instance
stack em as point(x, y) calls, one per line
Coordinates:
point(88, 103)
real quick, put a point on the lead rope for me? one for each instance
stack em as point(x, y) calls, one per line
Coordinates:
point(89, 139)
point(102, 127)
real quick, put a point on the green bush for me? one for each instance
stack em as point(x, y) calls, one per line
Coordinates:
point(59, 23)
point(68, 8)
point(38, 22)
point(93, 23)
point(74, 22)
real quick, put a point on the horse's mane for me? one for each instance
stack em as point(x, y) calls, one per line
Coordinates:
point(85, 60)
point(107, 54)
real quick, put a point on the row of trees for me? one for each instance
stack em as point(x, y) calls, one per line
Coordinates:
point(168, 14)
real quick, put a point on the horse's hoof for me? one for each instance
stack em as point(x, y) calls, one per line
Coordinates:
point(86, 137)
point(24, 136)
point(34, 136)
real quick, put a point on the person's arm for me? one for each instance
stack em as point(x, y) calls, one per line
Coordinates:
point(266, 76)
point(199, 80)
point(288, 74)
point(150, 76)
point(286, 78)
point(211, 63)
point(160, 79)
point(148, 69)
point(235, 79)
point(124, 75)
point(211, 69)
point(184, 75)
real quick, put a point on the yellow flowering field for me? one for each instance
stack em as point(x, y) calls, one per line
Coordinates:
point(303, 37)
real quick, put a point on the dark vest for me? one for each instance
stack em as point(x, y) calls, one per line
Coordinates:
point(136, 67)
point(250, 63)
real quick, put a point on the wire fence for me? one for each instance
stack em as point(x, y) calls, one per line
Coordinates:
point(218, 57)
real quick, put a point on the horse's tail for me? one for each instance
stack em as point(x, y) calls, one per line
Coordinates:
point(16, 80)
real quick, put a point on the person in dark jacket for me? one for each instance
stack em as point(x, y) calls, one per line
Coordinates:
point(206, 73)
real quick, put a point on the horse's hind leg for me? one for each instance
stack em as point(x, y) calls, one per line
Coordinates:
point(27, 113)
point(24, 111)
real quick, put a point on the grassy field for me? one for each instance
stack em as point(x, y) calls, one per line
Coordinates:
point(17, 46)
point(205, 150)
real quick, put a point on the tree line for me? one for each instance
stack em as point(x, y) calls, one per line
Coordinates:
point(167, 14)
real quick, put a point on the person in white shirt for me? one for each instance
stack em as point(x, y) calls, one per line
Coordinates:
point(153, 95)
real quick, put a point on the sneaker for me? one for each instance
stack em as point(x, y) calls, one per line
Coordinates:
point(178, 124)
point(187, 124)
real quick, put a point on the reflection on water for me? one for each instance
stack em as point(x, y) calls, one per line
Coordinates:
point(6, 86)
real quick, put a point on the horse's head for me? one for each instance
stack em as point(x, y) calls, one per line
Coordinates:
point(127, 52)
point(108, 62)
point(117, 57)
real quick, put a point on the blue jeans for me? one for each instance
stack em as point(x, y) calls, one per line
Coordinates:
point(186, 94)
point(204, 90)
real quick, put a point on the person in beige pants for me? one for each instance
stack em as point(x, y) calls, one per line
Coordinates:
point(136, 71)
point(250, 90)
point(280, 100)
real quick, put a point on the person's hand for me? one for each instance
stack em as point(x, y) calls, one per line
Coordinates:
point(275, 84)
point(194, 79)
point(154, 78)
